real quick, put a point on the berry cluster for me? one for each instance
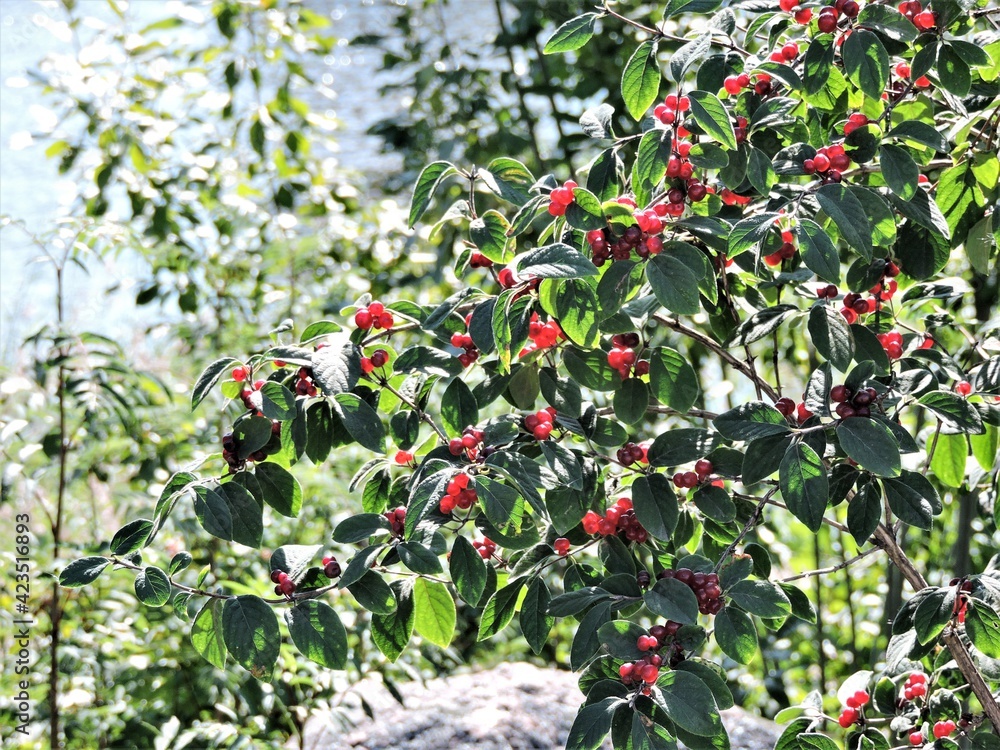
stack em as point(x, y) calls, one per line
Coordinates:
point(633, 453)
point(376, 361)
point(374, 316)
point(944, 729)
point(458, 494)
point(829, 163)
point(787, 53)
point(853, 404)
point(787, 407)
point(397, 519)
point(855, 121)
point(734, 199)
point(922, 19)
point(605, 246)
point(761, 85)
point(644, 672)
point(623, 358)
point(540, 423)
point(828, 16)
point(785, 252)
point(542, 335)
point(689, 479)
point(892, 343)
point(561, 546)
point(251, 396)
point(304, 385)
point(829, 291)
point(704, 585)
point(508, 280)
point(855, 706)
point(283, 584)
point(485, 548)
point(464, 341)
point(801, 15)
point(561, 197)
point(915, 687)
point(619, 518)
point(331, 568)
point(470, 443)
point(402, 458)
point(667, 112)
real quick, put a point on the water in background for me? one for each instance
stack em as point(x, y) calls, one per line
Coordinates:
point(31, 190)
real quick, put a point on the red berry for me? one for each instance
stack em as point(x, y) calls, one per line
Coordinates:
point(943, 728)
point(848, 717)
point(403, 457)
point(851, 9)
point(790, 51)
point(366, 365)
point(650, 674)
point(276, 576)
point(240, 374)
point(542, 431)
point(924, 20)
point(732, 85)
point(916, 738)
point(827, 23)
point(506, 278)
point(803, 16)
point(963, 388)
point(379, 357)
point(703, 467)
point(363, 319)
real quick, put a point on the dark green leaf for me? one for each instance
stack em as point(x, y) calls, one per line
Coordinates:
point(674, 285)
point(391, 632)
point(804, 486)
point(954, 410)
point(655, 505)
point(690, 704)
point(761, 598)
point(751, 421)
point(849, 215)
point(711, 115)
point(500, 609)
point(131, 537)
point(535, 620)
point(152, 587)
point(866, 62)
point(899, 170)
point(864, 513)
point(871, 444)
point(208, 378)
point(673, 600)
point(556, 261)
point(361, 421)
point(250, 630)
point(641, 80)
point(679, 446)
point(573, 34)
point(592, 724)
point(280, 489)
point(831, 335)
point(318, 633)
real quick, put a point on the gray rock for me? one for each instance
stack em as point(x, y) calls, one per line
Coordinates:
point(513, 707)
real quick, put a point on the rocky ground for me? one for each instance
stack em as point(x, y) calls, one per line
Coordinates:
point(512, 707)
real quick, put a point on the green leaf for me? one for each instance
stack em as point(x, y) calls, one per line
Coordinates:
point(500, 609)
point(674, 285)
point(979, 245)
point(804, 486)
point(179, 562)
point(761, 598)
point(817, 62)
point(502, 504)
point(152, 587)
point(871, 444)
point(764, 322)
point(760, 172)
point(317, 632)
point(920, 132)
point(680, 446)
point(556, 261)
point(948, 462)
point(293, 559)
point(673, 600)
point(435, 611)
point(650, 163)
point(631, 401)
point(736, 635)
point(933, 613)
point(763, 457)
point(887, 21)
point(592, 724)
point(509, 179)
point(715, 503)
point(359, 528)
point(711, 115)
point(131, 537)
point(246, 513)
point(864, 513)
point(250, 630)
point(468, 570)
point(749, 233)
point(419, 558)
point(953, 71)
point(688, 55)
point(206, 633)
point(337, 370)
point(690, 704)
point(489, 233)
point(913, 499)
point(751, 421)
point(899, 170)
point(361, 421)
point(818, 251)
point(986, 447)
point(923, 211)
point(428, 181)
point(535, 620)
point(280, 489)
point(641, 80)
point(213, 512)
point(586, 213)
point(564, 465)
point(673, 381)
point(391, 632)
point(867, 348)
point(459, 408)
point(953, 410)
point(866, 62)
point(573, 34)
point(982, 625)
point(278, 402)
point(372, 592)
point(428, 360)
point(849, 215)
point(208, 378)
point(831, 335)
point(655, 505)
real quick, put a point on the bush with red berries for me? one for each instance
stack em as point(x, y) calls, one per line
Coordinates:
point(648, 392)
